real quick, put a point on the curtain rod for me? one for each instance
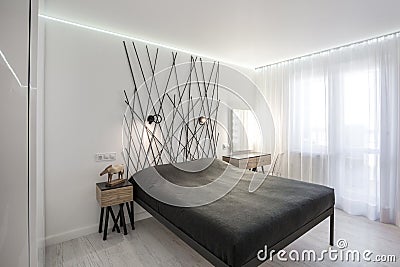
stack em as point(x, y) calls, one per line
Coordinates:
point(330, 49)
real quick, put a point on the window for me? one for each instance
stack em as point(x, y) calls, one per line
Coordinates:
point(309, 123)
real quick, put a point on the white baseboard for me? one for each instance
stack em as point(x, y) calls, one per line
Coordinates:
point(62, 237)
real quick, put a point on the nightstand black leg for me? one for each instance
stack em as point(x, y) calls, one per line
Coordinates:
point(122, 217)
point(254, 169)
point(128, 208)
point(120, 214)
point(130, 215)
point(115, 220)
point(101, 220)
point(106, 223)
point(133, 216)
point(262, 168)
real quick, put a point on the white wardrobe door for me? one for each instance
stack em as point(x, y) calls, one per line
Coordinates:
point(14, 27)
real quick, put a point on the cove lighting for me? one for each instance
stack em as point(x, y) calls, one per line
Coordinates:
point(135, 39)
point(11, 69)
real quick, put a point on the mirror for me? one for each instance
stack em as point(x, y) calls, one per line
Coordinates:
point(246, 132)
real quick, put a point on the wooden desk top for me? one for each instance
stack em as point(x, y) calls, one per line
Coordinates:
point(248, 159)
point(246, 155)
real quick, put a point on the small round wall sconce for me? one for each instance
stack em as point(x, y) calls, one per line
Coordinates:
point(154, 118)
point(202, 120)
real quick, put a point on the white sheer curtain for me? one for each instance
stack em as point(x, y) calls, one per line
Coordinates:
point(337, 123)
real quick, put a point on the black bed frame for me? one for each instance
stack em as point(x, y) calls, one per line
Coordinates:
point(253, 262)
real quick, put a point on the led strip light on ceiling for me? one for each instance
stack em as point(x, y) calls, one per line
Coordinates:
point(50, 18)
point(11, 70)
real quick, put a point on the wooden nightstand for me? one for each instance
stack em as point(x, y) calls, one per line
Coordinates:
point(248, 160)
point(110, 196)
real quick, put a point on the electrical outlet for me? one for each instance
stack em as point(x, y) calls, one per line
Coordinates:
point(109, 156)
point(225, 146)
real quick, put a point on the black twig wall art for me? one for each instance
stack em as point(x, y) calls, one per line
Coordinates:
point(171, 113)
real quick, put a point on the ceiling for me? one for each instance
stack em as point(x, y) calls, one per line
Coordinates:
point(247, 33)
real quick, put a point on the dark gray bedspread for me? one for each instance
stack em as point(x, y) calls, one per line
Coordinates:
point(236, 226)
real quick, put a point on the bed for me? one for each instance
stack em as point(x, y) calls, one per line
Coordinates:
point(231, 230)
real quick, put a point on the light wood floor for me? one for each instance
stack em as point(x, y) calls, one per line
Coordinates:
point(151, 244)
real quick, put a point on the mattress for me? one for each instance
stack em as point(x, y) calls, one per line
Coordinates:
point(236, 226)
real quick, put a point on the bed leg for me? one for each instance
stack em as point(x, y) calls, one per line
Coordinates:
point(332, 228)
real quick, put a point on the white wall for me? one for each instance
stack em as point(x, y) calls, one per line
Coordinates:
point(85, 75)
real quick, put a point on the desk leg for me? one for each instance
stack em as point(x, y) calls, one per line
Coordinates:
point(101, 220)
point(106, 223)
point(122, 217)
